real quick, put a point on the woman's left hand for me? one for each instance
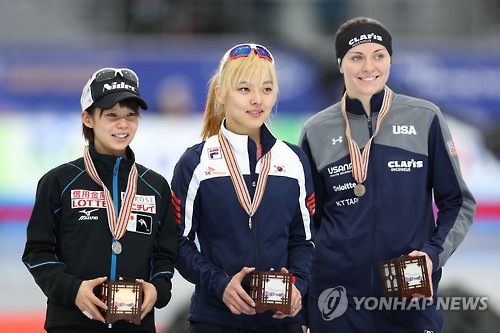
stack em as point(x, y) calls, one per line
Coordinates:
point(296, 302)
point(149, 299)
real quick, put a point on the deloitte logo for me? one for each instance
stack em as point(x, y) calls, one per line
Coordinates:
point(332, 303)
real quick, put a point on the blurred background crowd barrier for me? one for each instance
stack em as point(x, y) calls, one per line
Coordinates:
point(446, 51)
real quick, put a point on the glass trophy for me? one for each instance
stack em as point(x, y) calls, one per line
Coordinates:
point(271, 291)
point(405, 276)
point(124, 301)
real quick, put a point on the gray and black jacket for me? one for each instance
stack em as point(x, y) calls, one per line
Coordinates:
point(69, 240)
point(413, 167)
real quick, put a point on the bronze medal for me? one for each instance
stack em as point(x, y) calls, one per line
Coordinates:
point(359, 190)
point(360, 160)
point(249, 205)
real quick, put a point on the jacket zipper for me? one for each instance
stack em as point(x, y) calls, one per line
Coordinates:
point(254, 228)
point(374, 221)
point(370, 128)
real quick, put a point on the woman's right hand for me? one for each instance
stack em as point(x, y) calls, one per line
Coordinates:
point(88, 302)
point(235, 297)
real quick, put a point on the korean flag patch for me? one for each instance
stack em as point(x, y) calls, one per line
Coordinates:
point(140, 223)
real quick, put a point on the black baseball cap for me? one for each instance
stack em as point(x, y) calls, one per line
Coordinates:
point(108, 86)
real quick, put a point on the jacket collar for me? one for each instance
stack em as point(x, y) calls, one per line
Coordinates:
point(105, 164)
point(354, 106)
point(243, 144)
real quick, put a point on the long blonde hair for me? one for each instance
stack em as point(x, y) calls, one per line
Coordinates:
point(229, 73)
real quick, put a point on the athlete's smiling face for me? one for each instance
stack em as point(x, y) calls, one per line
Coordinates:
point(114, 129)
point(366, 70)
point(248, 105)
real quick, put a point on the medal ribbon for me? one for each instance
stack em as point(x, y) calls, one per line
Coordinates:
point(117, 227)
point(360, 160)
point(250, 206)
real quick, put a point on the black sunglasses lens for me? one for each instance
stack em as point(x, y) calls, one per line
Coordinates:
point(105, 74)
point(108, 74)
point(129, 75)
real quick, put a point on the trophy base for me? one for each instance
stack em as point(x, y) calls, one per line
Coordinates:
point(271, 291)
point(124, 301)
point(405, 276)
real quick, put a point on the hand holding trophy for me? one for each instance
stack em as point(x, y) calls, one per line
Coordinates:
point(406, 276)
point(124, 300)
point(272, 291)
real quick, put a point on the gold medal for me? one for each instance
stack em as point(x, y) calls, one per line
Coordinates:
point(359, 190)
point(116, 247)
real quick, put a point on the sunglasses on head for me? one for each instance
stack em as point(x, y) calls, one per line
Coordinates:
point(110, 73)
point(243, 50)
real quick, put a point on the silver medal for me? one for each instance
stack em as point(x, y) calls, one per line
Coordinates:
point(359, 190)
point(116, 247)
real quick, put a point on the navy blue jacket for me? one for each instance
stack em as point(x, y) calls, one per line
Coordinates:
point(207, 208)
point(413, 164)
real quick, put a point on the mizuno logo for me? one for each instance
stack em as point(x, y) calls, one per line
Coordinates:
point(87, 212)
point(87, 215)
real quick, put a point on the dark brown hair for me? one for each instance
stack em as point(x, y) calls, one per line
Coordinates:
point(353, 23)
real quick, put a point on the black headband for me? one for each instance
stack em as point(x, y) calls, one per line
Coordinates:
point(360, 34)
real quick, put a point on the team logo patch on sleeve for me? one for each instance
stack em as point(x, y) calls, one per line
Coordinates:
point(140, 223)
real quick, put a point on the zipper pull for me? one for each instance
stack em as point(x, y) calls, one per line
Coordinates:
point(370, 124)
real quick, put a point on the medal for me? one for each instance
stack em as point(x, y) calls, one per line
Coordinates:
point(117, 220)
point(116, 247)
point(359, 190)
point(359, 160)
point(248, 204)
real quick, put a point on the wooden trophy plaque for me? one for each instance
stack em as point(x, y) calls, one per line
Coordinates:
point(271, 291)
point(124, 301)
point(405, 276)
